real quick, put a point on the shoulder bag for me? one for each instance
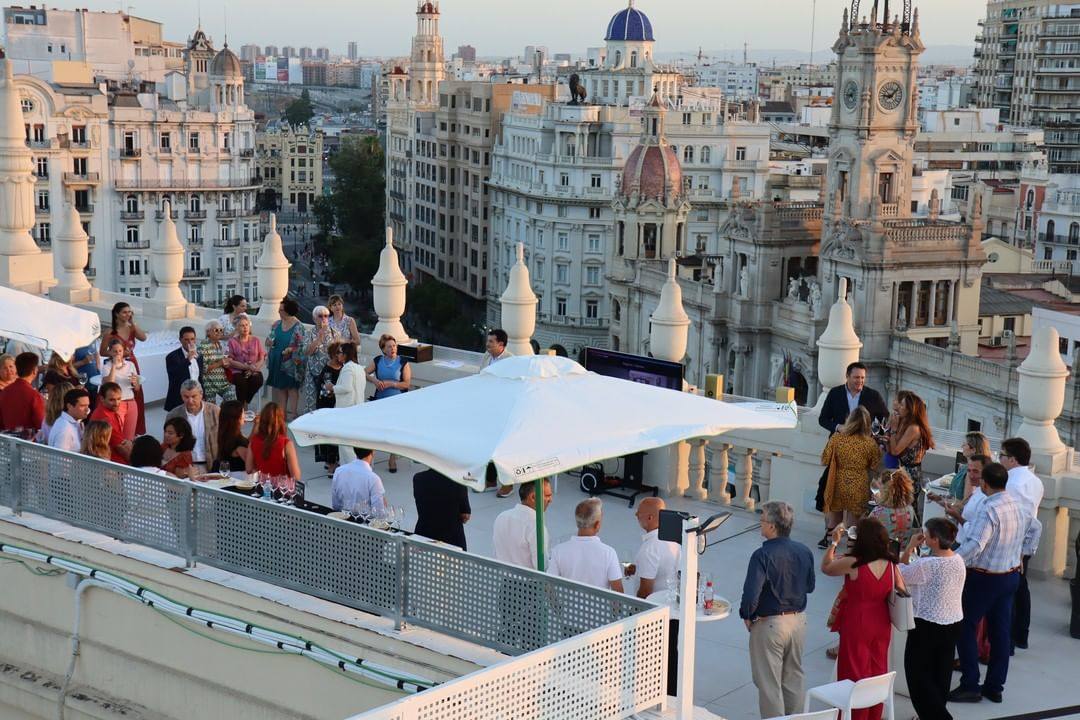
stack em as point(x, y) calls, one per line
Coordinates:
point(901, 607)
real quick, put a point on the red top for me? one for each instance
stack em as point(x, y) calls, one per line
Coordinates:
point(21, 406)
point(180, 461)
point(274, 463)
point(103, 413)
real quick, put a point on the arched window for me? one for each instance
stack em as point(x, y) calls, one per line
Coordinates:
point(633, 59)
point(1074, 233)
point(688, 154)
point(706, 154)
point(195, 203)
point(1030, 199)
point(618, 58)
point(1050, 231)
point(131, 204)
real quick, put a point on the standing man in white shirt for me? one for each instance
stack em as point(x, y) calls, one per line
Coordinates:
point(66, 433)
point(963, 513)
point(515, 529)
point(584, 557)
point(355, 482)
point(656, 566)
point(1028, 489)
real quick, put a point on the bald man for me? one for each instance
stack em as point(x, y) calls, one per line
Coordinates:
point(657, 561)
point(656, 566)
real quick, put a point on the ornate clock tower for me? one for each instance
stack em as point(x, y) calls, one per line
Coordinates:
point(910, 275)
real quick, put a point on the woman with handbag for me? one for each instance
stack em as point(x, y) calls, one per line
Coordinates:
point(862, 613)
point(937, 587)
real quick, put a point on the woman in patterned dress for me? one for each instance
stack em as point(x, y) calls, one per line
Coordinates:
point(215, 357)
point(851, 454)
point(342, 326)
point(894, 509)
point(316, 354)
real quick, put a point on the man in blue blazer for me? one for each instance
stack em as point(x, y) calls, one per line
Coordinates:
point(183, 363)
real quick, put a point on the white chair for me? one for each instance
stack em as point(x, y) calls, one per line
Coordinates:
point(830, 714)
point(847, 695)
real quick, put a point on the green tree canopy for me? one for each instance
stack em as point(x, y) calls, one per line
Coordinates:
point(300, 111)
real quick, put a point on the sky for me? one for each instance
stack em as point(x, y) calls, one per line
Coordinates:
point(500, 28)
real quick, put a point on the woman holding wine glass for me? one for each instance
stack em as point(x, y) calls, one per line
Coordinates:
point(128, 333)
point(116, 368)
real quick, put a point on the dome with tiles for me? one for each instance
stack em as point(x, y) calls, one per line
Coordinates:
point(630, 24)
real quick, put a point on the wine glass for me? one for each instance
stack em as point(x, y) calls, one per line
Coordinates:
point(875, 427)
point(401, 517)
point(363, 511)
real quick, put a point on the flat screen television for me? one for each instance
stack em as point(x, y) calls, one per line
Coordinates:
point(635, 368)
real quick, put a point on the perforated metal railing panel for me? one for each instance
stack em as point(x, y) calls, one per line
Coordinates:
point(500, 605)
point(124, 503)
point(335, 560)
point(7, 487)
point(610, 672)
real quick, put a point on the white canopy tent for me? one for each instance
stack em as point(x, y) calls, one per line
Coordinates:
point(46, 324)
point(532, 417)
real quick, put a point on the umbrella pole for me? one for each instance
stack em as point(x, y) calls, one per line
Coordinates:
point(538, 486)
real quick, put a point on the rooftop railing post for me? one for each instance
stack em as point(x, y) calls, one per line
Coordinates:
point(15, 477)
point(403, 583)
point(190, 539)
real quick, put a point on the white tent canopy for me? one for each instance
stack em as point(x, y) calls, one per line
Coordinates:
point(46, 324)
point(532, 417)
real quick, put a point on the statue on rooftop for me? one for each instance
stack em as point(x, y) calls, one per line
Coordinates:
point(793, 288)
point(744, 282)
point(577, 90)
point(815, 298)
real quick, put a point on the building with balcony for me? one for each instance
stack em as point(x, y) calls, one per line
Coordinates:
point(1059, 222)
point(1028, 65)
point(120, 151)
point(290, 163)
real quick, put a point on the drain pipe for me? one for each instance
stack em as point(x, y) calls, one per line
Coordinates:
point(81, 585)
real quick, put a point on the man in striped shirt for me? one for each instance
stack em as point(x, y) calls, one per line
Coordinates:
point(1001, 533)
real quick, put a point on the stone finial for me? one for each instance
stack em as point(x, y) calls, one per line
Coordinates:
point(73, 249)
point(1041, 395)
point(16, 173)
point(388, 292)
point(670, 323)
point(167, 260)
point(838, 346)
point(519, 307)
point(273, 273)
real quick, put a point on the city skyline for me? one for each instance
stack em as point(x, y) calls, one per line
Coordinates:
point(562, 25)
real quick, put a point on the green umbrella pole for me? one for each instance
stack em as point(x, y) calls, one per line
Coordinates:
point(538, 486)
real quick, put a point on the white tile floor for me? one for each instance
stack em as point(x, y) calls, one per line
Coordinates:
point(1040, 678)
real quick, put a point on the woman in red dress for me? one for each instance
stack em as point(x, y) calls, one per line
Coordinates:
point(270, 451)
point(124, 327)
point(862, 613)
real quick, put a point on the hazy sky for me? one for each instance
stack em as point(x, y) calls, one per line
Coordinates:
point(504, 27)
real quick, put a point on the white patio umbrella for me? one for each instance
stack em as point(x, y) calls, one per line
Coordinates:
point(45, 323)
point(531, 417)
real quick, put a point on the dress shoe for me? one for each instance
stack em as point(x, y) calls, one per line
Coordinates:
point(961, 695)
point(1023, 645)
point(991, 695)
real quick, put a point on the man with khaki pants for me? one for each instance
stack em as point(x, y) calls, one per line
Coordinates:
point(779, 577)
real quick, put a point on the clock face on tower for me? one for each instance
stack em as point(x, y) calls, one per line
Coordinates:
point(890, 95)
point(851, 95)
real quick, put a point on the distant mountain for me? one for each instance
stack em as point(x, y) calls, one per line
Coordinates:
point(962, 55)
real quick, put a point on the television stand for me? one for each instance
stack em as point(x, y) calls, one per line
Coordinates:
point(629, 486)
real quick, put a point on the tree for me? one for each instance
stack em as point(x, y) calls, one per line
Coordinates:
point(358, 191)
point(300, 111)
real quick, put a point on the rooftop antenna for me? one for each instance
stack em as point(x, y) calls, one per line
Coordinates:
point(225, 16)
point(813, 22)
point(746, 53)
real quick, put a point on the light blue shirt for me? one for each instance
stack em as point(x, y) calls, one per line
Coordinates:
point(1001, 532)
point(852, 400)
point(354, 483)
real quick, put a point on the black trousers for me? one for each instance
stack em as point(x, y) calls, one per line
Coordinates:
point(1021, 617)
point(928, 664)
point(247, 386)
point(673, 658)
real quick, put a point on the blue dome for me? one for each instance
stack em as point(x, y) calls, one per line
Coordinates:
point(629, 24)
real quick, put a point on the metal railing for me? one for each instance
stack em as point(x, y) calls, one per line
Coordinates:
point(410, 580)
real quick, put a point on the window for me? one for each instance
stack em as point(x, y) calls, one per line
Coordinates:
point(131, 233)
point(740, 153)
point(560, 307)
point(195, 203)
point(593, 242)
point(44, 232)
point(686, 118)
point(592, 309)
point(41, 167)
point(43, 200)
point(562, 273)
point(706, 154)
point(131, 204)
point(195, 261)
point(230, 263)
point(193, 141)
point(539, 238)
point(134, 267)
point(688, 154)
point(27, 105)
point(78, 166)
point(564, 179)
point(592, 275)
point(564, 241)
point(78, 134)
point(165, 142)
point(540, 268)
point(594, 181)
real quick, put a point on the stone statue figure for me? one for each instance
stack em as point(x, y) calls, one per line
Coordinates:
point(577, 90)
point(815, 299)
point(744, 282)
point(776, 371)
point(793, 288)
point(901, 318)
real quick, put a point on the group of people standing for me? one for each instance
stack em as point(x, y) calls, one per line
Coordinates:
point(966, 572)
